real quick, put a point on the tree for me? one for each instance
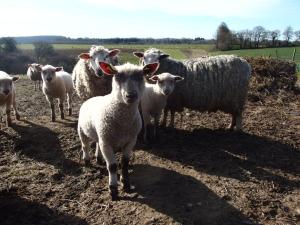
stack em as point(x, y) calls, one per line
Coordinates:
point(297, 35)
point(288, 33)
point(43, 50)
point(275, 34)
point(8, 44)
point(258, 33)
point(224, 37)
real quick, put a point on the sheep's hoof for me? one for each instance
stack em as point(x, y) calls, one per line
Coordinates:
point(18, 117)
point(70, 112)
point(53, 119)
point(113, 192)
point(62, 116)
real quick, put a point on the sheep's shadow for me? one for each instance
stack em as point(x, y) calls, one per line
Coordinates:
point(15, 210)
point(230, 154)
point(42, 144)
point(183, 198)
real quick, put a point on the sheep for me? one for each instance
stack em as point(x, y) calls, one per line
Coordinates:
point(34, 74)
point(211, 83)
point(8, 96)
point(87, 76)
point(113, 121)
point(155, 98)
point(57, 84)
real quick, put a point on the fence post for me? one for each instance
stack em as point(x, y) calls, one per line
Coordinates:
point(276, 53)
point(294, 54)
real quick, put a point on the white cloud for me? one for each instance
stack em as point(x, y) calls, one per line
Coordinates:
point(213, 8)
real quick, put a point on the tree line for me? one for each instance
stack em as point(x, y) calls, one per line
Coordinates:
point(258, 37)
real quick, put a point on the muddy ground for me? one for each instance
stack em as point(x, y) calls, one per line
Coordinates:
point(197, 173)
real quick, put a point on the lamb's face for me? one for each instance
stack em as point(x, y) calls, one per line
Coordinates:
point(34, 67)
point(131, 85)
point(166, 82)
point(151, 56)
point(128, 82)
point(6, 85)
point(48, 73)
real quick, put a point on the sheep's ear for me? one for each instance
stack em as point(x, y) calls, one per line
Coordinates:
point(57, 69)
point(138, 54)
point(154, 78)
point(107, 68)
point(114, 52)
point(15, 78)
point(39, 67)
point(178, 78)
point(84, 56)
point(163, 56)
point(29, 65)
point(150, 68)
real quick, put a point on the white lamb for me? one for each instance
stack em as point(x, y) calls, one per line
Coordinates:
point(154, 99)
point(113, 120)
point(8, 96)
point(57, 84)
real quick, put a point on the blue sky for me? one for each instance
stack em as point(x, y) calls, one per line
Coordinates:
point(139, 18)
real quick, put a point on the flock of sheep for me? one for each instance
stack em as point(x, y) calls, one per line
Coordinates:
point(119, 99)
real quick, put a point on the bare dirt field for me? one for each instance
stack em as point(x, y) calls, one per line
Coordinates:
point(198, 173)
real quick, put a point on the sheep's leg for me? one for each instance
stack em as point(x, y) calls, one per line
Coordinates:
point(34, 82)
point(61, 108)
point(69, 100)
point(85, 147)
point(156, 123)
point(172, 118)
point(111, 164)
point(15, 108)
point(98, 155)
point(233, 122)
point(51, 103)
point(8, 118)
point(238, 122)
point(164, 122)
point(127, 152)
point(146, 118)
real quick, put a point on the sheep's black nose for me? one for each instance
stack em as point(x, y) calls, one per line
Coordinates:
point(49, 79)
point(132, 94)
point(167, 92)
point(6, 91)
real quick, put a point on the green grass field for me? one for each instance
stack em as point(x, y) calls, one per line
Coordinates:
point(178, 51)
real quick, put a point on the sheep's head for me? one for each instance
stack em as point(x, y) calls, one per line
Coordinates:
point(48, 72)
point(99, 54)
point(6, 84)
point(128, 81)
point(166, 82)
point(35, 67)
point(150, 56)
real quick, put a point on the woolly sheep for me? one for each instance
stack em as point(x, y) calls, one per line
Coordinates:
point(113, 121)
point(8, 96)
point(57, 84)
point(87, 76)
point(34, 73)
point(211, 83)
point(155, 98)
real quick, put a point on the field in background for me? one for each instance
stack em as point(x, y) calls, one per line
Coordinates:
point(177, 51)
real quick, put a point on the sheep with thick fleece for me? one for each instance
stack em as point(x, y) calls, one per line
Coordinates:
point(8, 96)
point(155, 98)
point(113, 121)
point(57, 84)
point(87, 76)
point(34, 74)
point(210, 83)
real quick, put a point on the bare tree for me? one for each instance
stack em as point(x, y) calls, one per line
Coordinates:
point(275, 34)
point(288, 33)
point(224, 37)
point(297, 35)
point(258, 33)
